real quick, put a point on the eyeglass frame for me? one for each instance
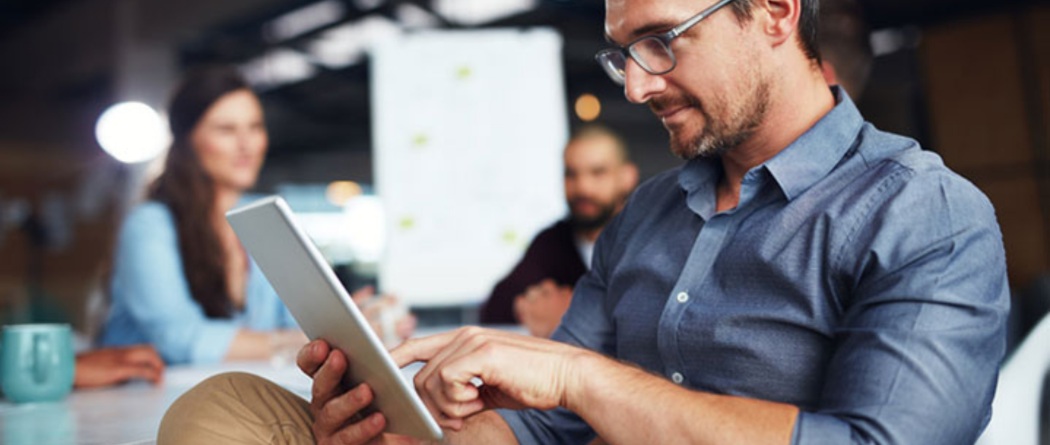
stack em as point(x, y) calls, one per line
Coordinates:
point(665, 39)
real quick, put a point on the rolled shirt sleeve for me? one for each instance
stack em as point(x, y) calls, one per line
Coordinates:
point(917, 354)
point(211, 342)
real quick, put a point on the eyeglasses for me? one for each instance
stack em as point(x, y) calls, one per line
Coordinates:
point(652, 53)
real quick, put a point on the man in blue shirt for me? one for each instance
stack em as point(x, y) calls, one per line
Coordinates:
point(803, 278)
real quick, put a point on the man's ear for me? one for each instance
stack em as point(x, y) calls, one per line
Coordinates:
point(778, 18)
point(628, 177)
point(830, 75)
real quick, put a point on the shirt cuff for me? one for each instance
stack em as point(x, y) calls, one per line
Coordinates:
point(213, 342)
point(820, 429)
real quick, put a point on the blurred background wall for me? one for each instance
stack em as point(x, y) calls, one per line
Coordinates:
point(970, 80)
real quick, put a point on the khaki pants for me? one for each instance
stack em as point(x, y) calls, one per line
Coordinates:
point(237, 408)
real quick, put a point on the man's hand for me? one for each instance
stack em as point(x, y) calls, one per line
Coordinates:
point(336, 408)
point(110, 366)
point(515, 371)
point(541, 307)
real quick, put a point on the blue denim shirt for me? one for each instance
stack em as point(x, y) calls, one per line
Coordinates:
point(858, 279)
point(151, 300)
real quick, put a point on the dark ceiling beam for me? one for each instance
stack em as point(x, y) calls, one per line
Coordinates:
point(15, 14)
point(247, 38)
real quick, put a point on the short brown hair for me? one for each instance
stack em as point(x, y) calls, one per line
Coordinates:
point(845, 43)
point(596, 130)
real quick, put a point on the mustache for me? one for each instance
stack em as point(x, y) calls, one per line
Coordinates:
point(577, 201)
point(659, 106)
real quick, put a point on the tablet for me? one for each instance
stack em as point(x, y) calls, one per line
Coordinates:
point(324, 310)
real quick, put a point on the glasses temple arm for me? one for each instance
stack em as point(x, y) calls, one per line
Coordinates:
point(678, 30)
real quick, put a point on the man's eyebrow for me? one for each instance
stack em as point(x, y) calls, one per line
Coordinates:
point(652, 28)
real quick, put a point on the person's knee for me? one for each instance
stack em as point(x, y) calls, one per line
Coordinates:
point(231, 383)
point(220, 389)
point(234, 404)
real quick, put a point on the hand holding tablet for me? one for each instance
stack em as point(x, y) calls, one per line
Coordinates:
point(324, 310)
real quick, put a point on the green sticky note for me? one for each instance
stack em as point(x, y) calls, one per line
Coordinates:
point(464, 72)
point(407, 223)
point(420, 140)
point(510, 237)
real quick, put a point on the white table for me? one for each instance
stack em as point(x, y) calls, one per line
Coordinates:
point(131, 413)
point(128, 414)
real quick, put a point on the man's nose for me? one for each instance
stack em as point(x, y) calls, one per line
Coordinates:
point(582, 187)
point(639, 86)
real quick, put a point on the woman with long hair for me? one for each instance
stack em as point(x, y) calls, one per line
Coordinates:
point(181, 279)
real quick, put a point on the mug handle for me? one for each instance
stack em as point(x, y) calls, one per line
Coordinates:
point(41, 354)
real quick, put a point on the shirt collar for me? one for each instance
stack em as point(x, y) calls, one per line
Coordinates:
point(698, 179)
point(814, 154)
point(795, 169)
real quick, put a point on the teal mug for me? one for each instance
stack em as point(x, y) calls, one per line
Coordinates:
point(36, 362)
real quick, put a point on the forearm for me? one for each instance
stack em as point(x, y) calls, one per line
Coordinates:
point(260, 345)
point(250, 345)
point(616, 399)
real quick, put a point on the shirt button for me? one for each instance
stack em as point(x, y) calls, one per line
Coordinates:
point(683, 297)
point(677, 378)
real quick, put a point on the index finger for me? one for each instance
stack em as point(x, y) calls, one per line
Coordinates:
point(421, 349)
point(312, 356)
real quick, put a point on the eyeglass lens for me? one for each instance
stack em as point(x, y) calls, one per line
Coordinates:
point(614, 64)
point(651, 53)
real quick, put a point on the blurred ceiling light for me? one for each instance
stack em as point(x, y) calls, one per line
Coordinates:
point(476, 12)
point(303, 20)
point(341, 192)
point(891, 40)
point(346, 44)
point(412, 16)
point(366, 5)
point(278, 67)
point(588, 107)
point(131, 132)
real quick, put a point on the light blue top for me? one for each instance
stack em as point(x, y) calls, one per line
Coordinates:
point(858, 279)
point(151, 300)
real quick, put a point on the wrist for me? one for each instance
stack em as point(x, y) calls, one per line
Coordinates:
point(587, 369)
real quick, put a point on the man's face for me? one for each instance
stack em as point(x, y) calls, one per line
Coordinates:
point(596, 181)
point(718, 93)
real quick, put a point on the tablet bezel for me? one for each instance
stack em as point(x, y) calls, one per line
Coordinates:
point(324, 309)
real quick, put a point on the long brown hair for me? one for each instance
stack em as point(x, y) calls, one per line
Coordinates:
point(189, 192)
